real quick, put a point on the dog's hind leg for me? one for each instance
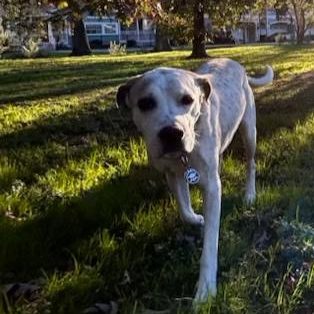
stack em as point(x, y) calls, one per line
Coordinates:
point(248, 133)
point(180, 189)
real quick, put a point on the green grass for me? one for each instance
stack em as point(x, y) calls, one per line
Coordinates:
point(82, 211)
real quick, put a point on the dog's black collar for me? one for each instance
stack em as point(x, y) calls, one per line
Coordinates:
point(185, 160)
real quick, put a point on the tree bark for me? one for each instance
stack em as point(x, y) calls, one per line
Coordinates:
point(199, 48)
point(80, 45)
point(300, 38)
point(300, 22)
point(301, 28)
point(162, 42)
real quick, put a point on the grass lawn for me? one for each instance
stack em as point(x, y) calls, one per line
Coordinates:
point(84, 217)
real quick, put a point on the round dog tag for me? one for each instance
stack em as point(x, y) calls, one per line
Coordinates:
point(191, 176)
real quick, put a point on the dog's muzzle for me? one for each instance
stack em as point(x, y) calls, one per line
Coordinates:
point(171, 139)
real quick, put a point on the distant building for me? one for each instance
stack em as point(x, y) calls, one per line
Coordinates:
point(101, 31)
point(265, 27)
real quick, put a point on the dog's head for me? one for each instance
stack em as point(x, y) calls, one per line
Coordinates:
point(166, 104)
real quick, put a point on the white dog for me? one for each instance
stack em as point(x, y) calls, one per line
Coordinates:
point(187, 120)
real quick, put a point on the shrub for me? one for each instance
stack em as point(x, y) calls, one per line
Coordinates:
point(280, 38)
point(5, 38)
point(116, 49)
point(30, 48)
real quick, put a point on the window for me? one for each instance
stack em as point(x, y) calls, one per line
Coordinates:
point(110, 28)
point(93, 29)
point(279, 26)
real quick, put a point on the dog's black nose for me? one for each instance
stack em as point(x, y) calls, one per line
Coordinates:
point(171, 138)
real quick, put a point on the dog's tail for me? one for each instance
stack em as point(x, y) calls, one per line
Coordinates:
point(267, 78)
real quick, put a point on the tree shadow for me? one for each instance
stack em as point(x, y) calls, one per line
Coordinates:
point(50, 142)
point(58, 80)
point(66, 127)
point(285, 104)
point(46, 241)
point(282, 105)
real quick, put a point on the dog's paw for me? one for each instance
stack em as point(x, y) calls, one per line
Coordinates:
point(250, 198)
point(205, 290)
point(195, 219)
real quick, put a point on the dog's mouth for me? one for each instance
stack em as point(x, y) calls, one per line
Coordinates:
point(175, 151)
point(172, 147)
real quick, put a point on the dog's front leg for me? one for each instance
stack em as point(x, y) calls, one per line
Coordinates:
point(180, 189)
point(207, 284)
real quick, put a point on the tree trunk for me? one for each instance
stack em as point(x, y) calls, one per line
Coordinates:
point(300, 38)
point(80, 45)
point(300, 22)
point(162, 42)
point(199, 49)
point(301, 28)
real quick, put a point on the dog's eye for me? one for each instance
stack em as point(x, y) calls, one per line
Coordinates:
point(146, 104)
point(186, 100)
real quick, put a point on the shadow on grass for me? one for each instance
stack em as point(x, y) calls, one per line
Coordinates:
point(66, 128)
point(285, 103)
point(66, 80)
point(59, 79)
point(280, 106)
point(53, 141)
point(72, 87)
point(45, 241)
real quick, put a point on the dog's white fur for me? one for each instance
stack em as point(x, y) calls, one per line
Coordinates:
point(222, 103)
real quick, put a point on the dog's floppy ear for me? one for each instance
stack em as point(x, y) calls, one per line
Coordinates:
point(122, 98)
point(205, 86)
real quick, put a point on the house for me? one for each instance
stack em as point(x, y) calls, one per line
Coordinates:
point(265, 27)
point(101, 31)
